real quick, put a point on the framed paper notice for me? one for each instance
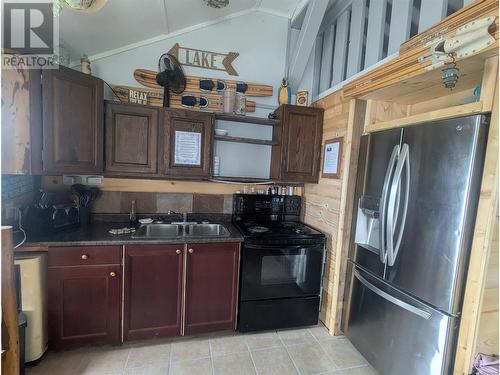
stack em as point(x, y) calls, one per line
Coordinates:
point(332, 155)
point(187, 148)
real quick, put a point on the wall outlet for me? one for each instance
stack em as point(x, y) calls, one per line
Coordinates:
point(94, 180)
point(69, 180)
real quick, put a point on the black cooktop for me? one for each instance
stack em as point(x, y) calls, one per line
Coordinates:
point(291, 229)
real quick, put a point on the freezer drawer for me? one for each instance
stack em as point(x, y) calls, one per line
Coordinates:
point(396, 333)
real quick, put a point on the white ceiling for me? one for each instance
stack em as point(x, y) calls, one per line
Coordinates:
point(124, 22)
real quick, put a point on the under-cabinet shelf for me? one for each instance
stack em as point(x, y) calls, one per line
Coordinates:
point(228, 138)
point(246, 119)
point(242, 179)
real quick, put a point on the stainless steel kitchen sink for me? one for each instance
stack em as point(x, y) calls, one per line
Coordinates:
point(158, 231)
point(205, 230)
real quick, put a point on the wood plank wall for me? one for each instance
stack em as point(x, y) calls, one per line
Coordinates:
point(15, 122)
point(158, 186)
point(487, 337)
point(327, 205)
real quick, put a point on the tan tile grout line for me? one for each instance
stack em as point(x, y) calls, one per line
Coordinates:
point(326, 353)
point(340, 369)
point(210, 354)
point(250, 352)
point(170, 358)
point(126, 361)
point(288, 353)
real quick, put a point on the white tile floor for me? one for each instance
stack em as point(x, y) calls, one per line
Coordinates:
point(304, 351)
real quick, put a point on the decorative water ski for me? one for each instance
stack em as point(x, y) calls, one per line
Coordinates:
point(200, 84)
point(210, 102)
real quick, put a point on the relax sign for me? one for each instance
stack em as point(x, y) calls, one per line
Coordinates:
point(205, 59)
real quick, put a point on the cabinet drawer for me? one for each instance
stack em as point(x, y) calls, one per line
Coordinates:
point(84, 255)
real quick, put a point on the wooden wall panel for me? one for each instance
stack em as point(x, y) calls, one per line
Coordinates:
point(482, 244)
point(487, 337)
point(15, 122)
point(328, 204)
point(156, 186)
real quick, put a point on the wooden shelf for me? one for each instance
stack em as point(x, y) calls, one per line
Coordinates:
point(227, 138)
point(246, 119)
point(242, 179)
point(254, 180)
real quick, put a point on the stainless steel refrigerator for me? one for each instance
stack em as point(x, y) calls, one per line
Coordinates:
point(416, 199)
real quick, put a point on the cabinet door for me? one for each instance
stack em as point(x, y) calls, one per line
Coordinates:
point(72, 122)
point(211, 287)
point(84, 305)
point(298, 158)
point(178, 123)
point(131, 139)
point(153, 291)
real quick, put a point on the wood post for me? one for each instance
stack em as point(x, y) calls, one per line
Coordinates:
point(10, 323)
point(481, 247)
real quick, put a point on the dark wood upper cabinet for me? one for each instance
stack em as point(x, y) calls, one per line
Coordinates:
point(84, 301)
point(131, 140)
point(296, 158)
point(153, 291)
point(175, 123)
point(72, 105)
point(211, 287)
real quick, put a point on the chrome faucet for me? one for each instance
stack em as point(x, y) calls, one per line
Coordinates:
point(184, 219)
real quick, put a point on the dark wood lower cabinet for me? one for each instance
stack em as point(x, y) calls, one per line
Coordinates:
point(153, 291)
point(168, 290)
point(211, 287)
point(84, 305)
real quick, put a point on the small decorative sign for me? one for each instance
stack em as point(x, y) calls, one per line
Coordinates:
point(205, 59)
point(187, 148)
point(139, 97)
point(302, 98)
point(332, 157)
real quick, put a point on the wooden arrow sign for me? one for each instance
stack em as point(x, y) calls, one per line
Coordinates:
point(205, 59)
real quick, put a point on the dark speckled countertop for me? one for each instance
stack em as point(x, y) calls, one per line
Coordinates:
point(97, 233)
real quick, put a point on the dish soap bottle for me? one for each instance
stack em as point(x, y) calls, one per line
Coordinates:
point(132, 216)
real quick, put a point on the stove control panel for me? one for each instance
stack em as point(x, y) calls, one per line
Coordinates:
point(244, 204)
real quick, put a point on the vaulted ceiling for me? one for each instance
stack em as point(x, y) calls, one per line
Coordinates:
point(123, 22)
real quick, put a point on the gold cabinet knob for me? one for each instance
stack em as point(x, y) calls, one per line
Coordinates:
point(85, 256)
point(178, 251)
point(112, 274)
point(191, 251)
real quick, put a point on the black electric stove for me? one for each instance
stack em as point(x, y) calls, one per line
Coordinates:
point(282, 263)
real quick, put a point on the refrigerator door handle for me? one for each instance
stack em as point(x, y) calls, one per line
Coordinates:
point(404, 305)
point(393, 209)
point(383, 203)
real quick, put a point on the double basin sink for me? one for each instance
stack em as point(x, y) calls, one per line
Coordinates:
point(159, 231)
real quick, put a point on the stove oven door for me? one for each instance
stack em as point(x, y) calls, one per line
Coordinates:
point(281, 271)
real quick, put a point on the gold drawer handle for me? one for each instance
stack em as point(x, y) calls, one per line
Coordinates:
point(112, 274)
point(85, 256)
point(178, 251)
point(191, 251)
